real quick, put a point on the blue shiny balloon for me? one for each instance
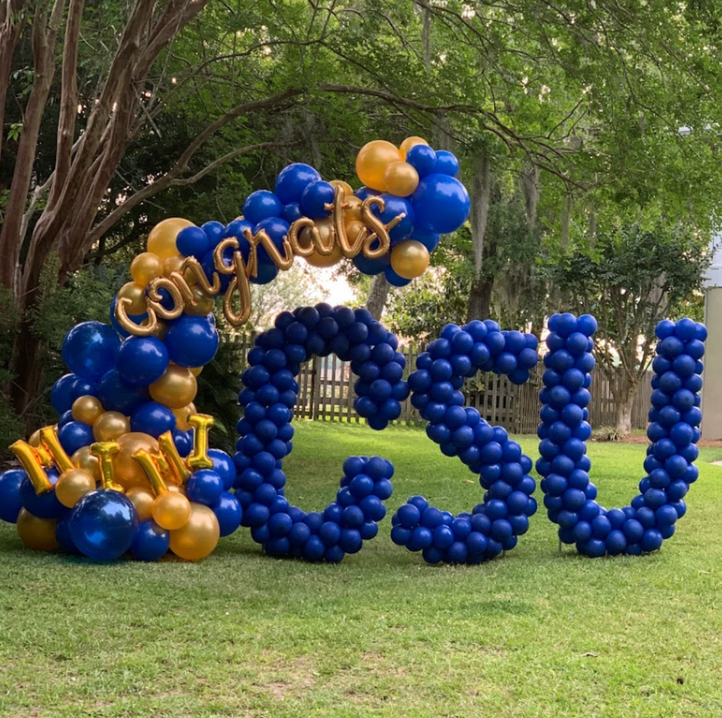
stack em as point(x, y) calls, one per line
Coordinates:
point(45, 505)
point(151, 542)
point(89, 349)
point(60, 395)
point(441, 204)
point(84, 387)
point(237, 228)
point(183, 442)
point(371, 266)
point(314, 199)
point(292, 180)
point(142, 360)
point(191, 341)
point(10, 498)
point(137, 318)
point(364, 192)
point(116, 395)
point(152, 418)
point(103, 524)
point(291, 212)
point(394, 279)
point(229, 513)
point(260, 205)
point(215, 231)
point(223, 465)
point(193, 242)
point(422, 158)
point(63, 536)
point(65, 418)
point(74, 435)
point(204, 486)
point(446, 163)
point(395, 206)
point(430, 240)
point(266, 272)
point(276, 228)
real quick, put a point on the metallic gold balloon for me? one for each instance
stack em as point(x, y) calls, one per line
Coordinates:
point(105, 451)
point(83, 459)
point(196, 370)
point(198, 537)
point(346, 186)
point(136, 294)
point(176, 388)
point(198, 458)
point(182, 415)
point(203, 303)
point(177, 469)
point(34, 439)
point(33, 460)
point(161, 240)
point(72, 485)
point(352, 209)
point(410, 142)
point(171, 510)
point(144, 267)
point(373, 159)
point(128, 472)
point(87, 409)
point(409, 259)
point(178, 489)
point(143, 501)
point(38, 534)
point(319, 260)
point(401, 179)
point(173, 264)
point(110, 425)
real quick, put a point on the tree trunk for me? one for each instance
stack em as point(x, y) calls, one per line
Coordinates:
point(624, 415)
point(624, 391)
point(480, 293)
point(378, 294)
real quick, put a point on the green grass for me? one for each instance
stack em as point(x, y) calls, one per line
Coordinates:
point(535, 633)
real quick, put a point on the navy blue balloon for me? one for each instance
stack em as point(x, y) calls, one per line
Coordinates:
point(223, 465)
point(446, 163)
point(74, 435)
point(89, 349)
point(430, 240)
point(237, 228)
point(266, 272)
point(292, 180)
point(116, 395)
point(395, 280)
point(193, 242)
point(371, 266)
point(422, 158)
point(151, 542)
point(260, 205)
point(10, 498)
point(315, 197)
point(276, 228)
point(395, 206)
point(229, 513)
point(63, 536)
point(191, 341)
point(142, 360)
point(204, 486)
point(291, 212)
point(103, 524)
point(83, 387)
point(364, 192)
point(215, 231)
point(441, 204)
point(61, 394)
point(45, 505)
point(183, 442)
point(152, 418)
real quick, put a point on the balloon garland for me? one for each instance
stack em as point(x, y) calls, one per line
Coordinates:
point(569, 495)
point(494, 525)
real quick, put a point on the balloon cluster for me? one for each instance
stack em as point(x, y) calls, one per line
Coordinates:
point(265, 431)
point(493, 526)
point(569, 495)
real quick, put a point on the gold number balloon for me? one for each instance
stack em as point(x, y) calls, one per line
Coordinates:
point(372, 161)
point(35, 533)
point(72, 485)
point(176, 388)
point(198, 537)
point(86, 409)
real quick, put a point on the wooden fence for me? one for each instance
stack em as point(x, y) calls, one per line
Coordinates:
point(326, 392)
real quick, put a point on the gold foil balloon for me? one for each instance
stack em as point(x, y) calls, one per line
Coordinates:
point(128, 472)
point(320, 260)
point(176, 388)
point(143, 501)
point(161, 240)
point(327, 235)
point(181, 416)
point(144, 267)
point(87, 409)
point(38, 534)
point(83, 459)
point(136, 294)
point(198, 537)
point(409, 259)
point(352, 209)
point(372, 161)
point(34, 439)
point(346, 186)
point(173, 264)
point(203, 303)
point(72, 485)
point(110, 425)
point(401, 179)
point(171, 510)
point(410, 142)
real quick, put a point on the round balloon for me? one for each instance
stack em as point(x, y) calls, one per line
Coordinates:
point(117, 395)
point(162, 238)
point(89, 349)
point(151, 542)
point(152, 418)
point(198, 537)
point(260, 205)
point(36, 533)
point(441, 204)
point(10, 499)
point(141, 360)
point(191, 341)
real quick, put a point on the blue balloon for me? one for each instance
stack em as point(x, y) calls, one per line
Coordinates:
point(223, 465)
point(141, 360)
point(394, 279)
point(204, 486)
point(60, 396)
point(65, 418)
point(371, 266)
point(266, 272)
point(430, 240)
point(45, 505)
point(441, 204)
point(291, 212)
point(395, 206)
point(229, 513)
point(62, 534)
point(137, 318)
point(422, 158)
point(446, 163)
point(152, 418)
point(10, 498)
point(103, 524)
point(191, 341)
point(183, 442)
point(276, 228)
point(74, 435)
point(83, 387)
point(237, 228)
point(260, 205)
point(193, 242)
point(314, 197)
point(215, 231)
point(89, 349)
point(364, 192)
point(292, 180)
point(116, 395)
point(151, 542)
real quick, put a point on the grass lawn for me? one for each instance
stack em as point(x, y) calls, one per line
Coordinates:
point(535, 633)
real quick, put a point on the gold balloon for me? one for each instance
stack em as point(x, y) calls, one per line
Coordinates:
point(196, 370)
point(136, 294)
point(173, 264)
point(178, 489)
point(143, 501)
point(38, 534)
point(181, 416)
point(204, 304)
point(176, 388)
point(87, 409)
point(319, 260)
point(346, 186)
point(72, 485)
point(128, 472)
point(401, 179)
point(83, 459)
point(161, 240)
point(352, 209)
point(409, 259)
point(34, 439)
point(198, 537)
point(110, 425)
point(410, 142)
point(372, 161)
point(171, 510)
point(325, 231)
point(144, 267)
